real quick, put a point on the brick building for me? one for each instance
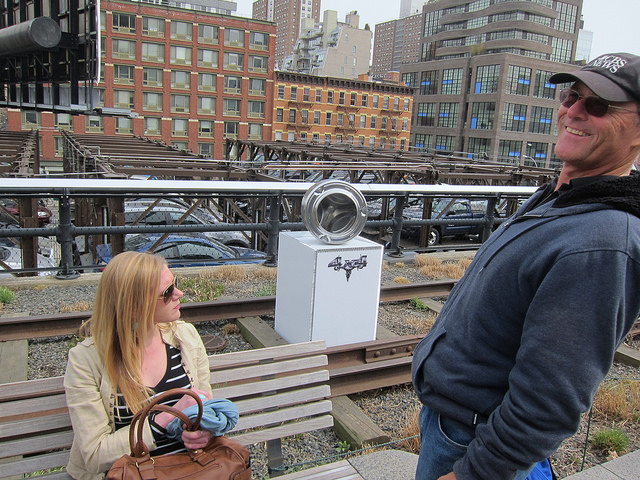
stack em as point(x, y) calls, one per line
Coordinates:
point(337, 110)
point(189, 77)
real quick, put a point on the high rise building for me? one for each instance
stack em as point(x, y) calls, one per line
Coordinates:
point(288, 16)
point(410, 7)
point(396, 42)
point(184, 76)
point(334, 49)
point(483, 77)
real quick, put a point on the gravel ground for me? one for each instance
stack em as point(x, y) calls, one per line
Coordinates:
point(47, 358)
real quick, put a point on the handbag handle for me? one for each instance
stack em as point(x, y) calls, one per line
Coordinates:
point(138, 447)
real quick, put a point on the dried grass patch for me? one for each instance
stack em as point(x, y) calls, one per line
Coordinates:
point(81, 306)
point(401, 280)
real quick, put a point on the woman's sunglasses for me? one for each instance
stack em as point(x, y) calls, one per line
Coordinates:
point(167, 295)
point(595, 106)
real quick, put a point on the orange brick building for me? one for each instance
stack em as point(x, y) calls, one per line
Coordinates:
point(189, 77)
point(336, 110)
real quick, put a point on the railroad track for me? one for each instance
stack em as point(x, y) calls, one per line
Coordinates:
point(42, 326)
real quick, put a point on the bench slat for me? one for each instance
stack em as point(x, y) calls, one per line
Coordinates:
point(34, 464)
point(36, 444)
point(233, 359)
point(33, 407)
point(265, 369)
point(253, 389)
point(30, 388)
point(38, 425)
point(283, 415)
point(304, 426)
point(341, 470)
point(285, 399)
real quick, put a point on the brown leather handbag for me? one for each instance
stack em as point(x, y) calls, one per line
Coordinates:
point(221, 459)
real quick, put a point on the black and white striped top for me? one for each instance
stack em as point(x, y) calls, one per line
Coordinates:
point(174, 377)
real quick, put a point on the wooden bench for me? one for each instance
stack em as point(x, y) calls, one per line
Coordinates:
point(280, 391)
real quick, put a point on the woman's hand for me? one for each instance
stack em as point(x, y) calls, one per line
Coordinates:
point(196, 440)
point(448, 476)
point(163, 419)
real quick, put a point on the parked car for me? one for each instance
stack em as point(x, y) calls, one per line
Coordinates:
point(169, 212)
point(9, 212)
point(12, 256)
point(193, 250)
point(449, 209)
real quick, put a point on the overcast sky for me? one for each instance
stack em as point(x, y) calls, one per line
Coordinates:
point(614, 23)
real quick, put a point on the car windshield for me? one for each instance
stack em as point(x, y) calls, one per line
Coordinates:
point(439, 204)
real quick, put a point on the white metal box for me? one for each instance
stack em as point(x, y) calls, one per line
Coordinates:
point(327, 292)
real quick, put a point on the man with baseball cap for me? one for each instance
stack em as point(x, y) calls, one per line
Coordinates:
point(530, 331)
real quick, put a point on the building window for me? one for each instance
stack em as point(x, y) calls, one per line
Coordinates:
point(231, 129)
point(365, 97)
point(257, 86)
point(152, 101)
point(279, 115)
point(231, 107)
point(180, 55)
point(233, 61)
point(123, 74)
point(426, 115)
point(375, 101)
point(445, 142)
point(423, 141)
point(327, 138)
point(353, 99)
point(487, 77)
point(205, 128)
point(124, 23)
point(153, 27)
point(405, 124)
point(181, 30)
point(208, 34)
point(207, 58)
point(258, 41)
point(94, 124)
point(448, 116)
point(316, 118)
point(396, 103)
point(207, 82)
point(372, 142)
point(123, 99)
point(318, 95)
point(207, 105)
point(479, 146)
point(374, 122)
point(429, 83)
point(280, 92)
point(233, 37)
point(383, 123)
point(179, 145)
point(542, 88)
point(518, 80)
point(514, 117)
point(541, 119)
point(538, 152)
point(482, 114)
point(292, 116)
point(330, 96)
point(340, 119)
point(328, 117)
point(410, 79)
point(152, 126)
point(255, 131)
point(304, 116)
point(152, 77)
point(179, 103)
point(205, 150)
point(258, 64)
point(180, 127)
point(510, 148)
point(407, 104)
point(232, 84)
point(352, 120)
point(341, 97)
point(294, 93)
point(123, 49)
point(63, 121)
point(306, 94)
point(363, 121)
point(152, 52)
point(30, 119)
point(124, 125)
point(58, 146)
point(255, 109)
point(180, 79)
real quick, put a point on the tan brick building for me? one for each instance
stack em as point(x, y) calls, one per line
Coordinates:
point(337, 110)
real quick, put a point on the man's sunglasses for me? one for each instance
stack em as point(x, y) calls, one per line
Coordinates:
point(595, 106)
point(167, 295)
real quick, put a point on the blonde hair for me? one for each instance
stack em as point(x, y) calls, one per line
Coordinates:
point(122, 318)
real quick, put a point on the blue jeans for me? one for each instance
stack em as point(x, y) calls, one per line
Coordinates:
point(442, 443)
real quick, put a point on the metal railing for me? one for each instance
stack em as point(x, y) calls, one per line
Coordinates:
point(279, 199)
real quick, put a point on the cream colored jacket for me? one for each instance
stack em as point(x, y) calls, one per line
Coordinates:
point(91, 399)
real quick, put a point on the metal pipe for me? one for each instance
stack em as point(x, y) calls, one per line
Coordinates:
point(40, 33)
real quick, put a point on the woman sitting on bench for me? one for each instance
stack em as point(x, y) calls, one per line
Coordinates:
point(137, 349)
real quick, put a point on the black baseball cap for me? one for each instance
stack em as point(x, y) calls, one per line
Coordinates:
point(613, 76)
